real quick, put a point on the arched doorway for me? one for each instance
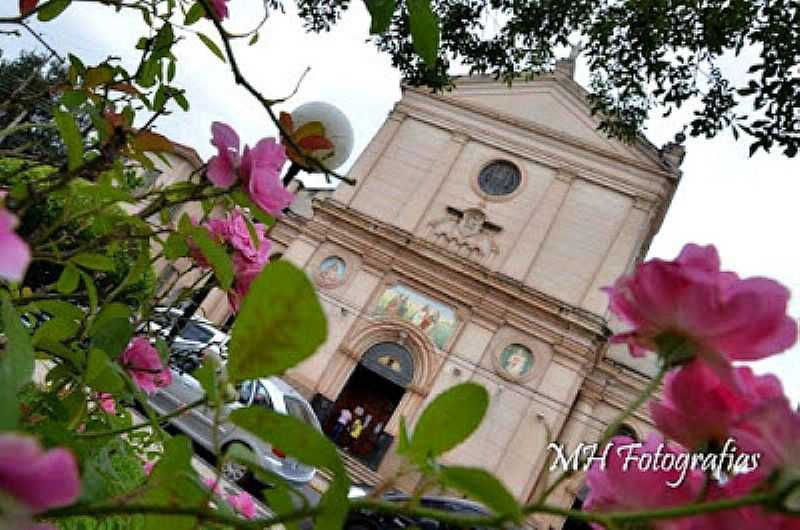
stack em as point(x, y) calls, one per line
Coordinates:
point(368, 400)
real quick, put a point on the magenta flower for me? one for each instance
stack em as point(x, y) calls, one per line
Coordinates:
point(773, 430)
point(15, 255)
point(148, 466)
point(144, 365)
point(223, 167)
point(234, 231)
point(243, 503)
point(625, 486)
point(246, 271)
point(220, 8)
point(698, 407)
point(259, 168)
point(725, 318)
point(747, 517)
point(261, 174)
point(37, 479)
point(213, 484)
point(107, 403)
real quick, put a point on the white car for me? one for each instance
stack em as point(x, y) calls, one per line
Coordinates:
point(198, 423)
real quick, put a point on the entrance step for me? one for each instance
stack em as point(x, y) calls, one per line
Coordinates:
point(358, 473)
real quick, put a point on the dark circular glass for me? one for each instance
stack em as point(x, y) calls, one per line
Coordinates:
point(499, 178)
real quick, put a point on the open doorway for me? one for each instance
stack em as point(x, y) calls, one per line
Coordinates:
point(361, 412)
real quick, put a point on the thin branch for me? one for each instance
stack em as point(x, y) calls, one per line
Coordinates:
point(131, 428)
point(266, 103)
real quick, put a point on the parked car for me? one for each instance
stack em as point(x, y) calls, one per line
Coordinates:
point(198, 423)
point(367, 520)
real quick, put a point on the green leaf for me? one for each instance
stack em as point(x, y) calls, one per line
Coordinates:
point(215, 254)
point(16, 364)
point(112, 330)
point(211, 45)
point(60, 309)
point(139, 268)
point(381, 12)
point(101, 373)
point(206, 375)
point(71, 135)
point(253, 39)
point(424, 30)
point(163, 350)
point(95, 262)
point(52, 9)
point(308, 445)
point(280, 323)
point(448, 420)
point(91, 292)
point(291, 435)
point(110, 312)
point(68, 281)
point(175, 246)
point(483, 487)
point(173, 482)
point(72, 99)
point(195, 13)
point(56, 330)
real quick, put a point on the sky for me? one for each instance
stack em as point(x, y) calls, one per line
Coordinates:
point(747, 207)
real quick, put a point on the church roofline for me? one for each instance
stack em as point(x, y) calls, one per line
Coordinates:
point(666, 164)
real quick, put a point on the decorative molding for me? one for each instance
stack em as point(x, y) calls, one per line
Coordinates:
point(467, 232)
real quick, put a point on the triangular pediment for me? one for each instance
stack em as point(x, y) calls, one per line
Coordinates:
point(551, 103)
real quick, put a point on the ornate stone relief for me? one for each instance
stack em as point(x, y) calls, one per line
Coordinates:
point(466, 232)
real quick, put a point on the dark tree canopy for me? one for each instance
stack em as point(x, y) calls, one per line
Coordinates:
point(27, 96)
point(643, 55)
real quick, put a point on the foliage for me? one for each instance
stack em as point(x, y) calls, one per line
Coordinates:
point(25, 84)
point(642, 56)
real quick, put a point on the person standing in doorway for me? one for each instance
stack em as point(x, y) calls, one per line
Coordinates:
point(357, 426)
point(341, 424)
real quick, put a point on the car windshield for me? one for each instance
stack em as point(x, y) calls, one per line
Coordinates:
point(300, 410)
point(196, 332)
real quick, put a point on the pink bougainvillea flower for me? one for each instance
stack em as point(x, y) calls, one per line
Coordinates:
point(620, 487)
point(27, 6)
point(220, 8)
point(747, 517)
point(261, 173)
point(107, 403)
point(213, 484)
point(223, 167)
point(698, 407)
point(773, 430)
point(15, 255)
point(144, 365)
point(148, 467)
point(246, 271)
point(243, 503)
point(259, 168)
point(37, 479)
point(234, 230)
point(722, 316)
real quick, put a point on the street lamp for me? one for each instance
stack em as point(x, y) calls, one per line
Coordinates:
point(322, 132)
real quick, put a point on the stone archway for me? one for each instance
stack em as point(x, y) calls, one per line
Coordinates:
point(390, 368)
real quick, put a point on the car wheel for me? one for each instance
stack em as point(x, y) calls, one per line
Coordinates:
point(235, 472)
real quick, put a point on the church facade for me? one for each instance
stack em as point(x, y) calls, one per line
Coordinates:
point(473, 247)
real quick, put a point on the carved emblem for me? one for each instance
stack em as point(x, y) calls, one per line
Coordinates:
point(467, 232)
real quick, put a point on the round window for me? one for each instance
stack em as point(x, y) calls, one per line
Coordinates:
point(499, 178)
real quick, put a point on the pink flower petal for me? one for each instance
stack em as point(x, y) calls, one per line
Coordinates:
point(15, 255)
point(37, 478)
